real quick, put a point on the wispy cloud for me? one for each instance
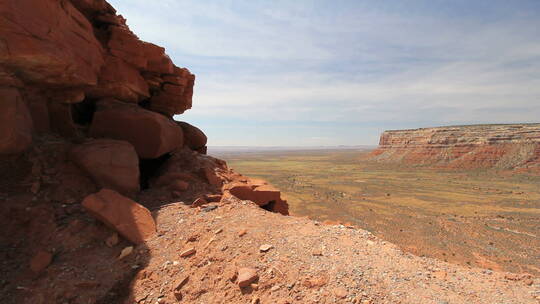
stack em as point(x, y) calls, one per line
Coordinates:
point(319, 72)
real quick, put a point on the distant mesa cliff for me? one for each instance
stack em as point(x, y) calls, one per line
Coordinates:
point(508, 146)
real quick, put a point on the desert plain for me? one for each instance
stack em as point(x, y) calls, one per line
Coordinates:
point(483, 217)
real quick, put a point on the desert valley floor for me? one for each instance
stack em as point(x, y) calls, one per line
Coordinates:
point(481, 218)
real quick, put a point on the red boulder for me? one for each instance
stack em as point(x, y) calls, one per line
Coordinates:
point(49, 42)
point(110, 163)
point(151, 134)
point(132, 220)
point(194, 138)
point(177, 93)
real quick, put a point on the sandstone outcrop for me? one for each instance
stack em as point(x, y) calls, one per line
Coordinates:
point(257, 191)
point(112, 164)
point(86, 105)
point(60, 54)
point(130, 219)
point(151, 133)
point(194, 138)
point(512, 146)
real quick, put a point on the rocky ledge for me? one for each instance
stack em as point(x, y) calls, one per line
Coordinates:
point(89, 145)
point(508, 146)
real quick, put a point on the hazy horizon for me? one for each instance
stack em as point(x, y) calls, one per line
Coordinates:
point(318, 73)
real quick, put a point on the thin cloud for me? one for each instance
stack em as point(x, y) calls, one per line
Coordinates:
point(329, 71)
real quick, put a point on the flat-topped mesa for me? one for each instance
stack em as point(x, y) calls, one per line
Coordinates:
point(504, 146)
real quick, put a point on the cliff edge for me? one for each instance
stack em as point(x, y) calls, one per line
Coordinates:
point(503, 146)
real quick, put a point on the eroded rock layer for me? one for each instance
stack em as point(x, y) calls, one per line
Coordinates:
point(89, 150)
point(60, 57)
point(509, 146)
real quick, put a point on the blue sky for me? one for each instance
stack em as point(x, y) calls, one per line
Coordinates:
point(303, 73)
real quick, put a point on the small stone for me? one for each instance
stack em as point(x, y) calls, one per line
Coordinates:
point(177, 295)
point(254, 286)
point(275, 288)
point(246, 276)
point(35, 187)
point(340, 292)
point(218, 231)
point(112, 240)
point(187, 252)
point(255, 300)
point(441, 275)
point(242, 232)
point(40, 261)
point(316, 252)
point(209, 208)
point(193, 238)
point(512, 277)
point(199, 202)
point(125, 252)
point(180, 282)
point(265, 247)
point(528, 282)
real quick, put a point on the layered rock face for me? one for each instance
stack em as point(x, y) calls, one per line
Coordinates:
point(76, 82)
point(59, 58)
point(510, 146)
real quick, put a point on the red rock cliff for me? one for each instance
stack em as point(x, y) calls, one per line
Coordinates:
point(75, 79)
point(511, 146)
point(58, 58)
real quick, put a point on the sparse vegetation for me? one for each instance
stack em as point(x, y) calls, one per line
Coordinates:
point(483, 218)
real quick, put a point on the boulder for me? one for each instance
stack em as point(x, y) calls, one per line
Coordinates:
point(110, 163)
point(194, 138)
point(151, 134)
point(40, 261)
point(257, 191)
point(176, 94)
point(120, 80)
point(130, 219)
point(261, 195)
point(169, 104)
point(15, 122)
point(49, 42)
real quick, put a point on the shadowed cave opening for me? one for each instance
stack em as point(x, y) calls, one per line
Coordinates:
point(149, 168)
point(269, 206)
point(83, 112)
